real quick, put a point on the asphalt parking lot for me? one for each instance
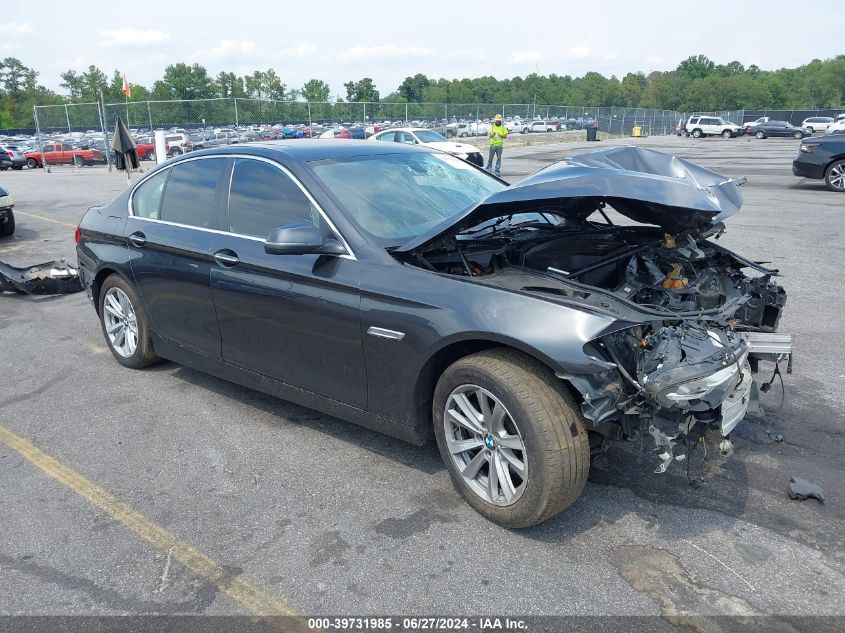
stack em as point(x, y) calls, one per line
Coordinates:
point(190, 495)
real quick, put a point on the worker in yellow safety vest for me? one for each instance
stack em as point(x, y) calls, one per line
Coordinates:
point(497, 134)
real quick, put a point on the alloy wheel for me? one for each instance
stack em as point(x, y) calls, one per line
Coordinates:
point(121, 322)
point(836, 177)
point(485, 444)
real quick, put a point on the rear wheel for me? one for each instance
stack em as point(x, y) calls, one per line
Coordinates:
point(124, 324)
point(17, 167)
point(835, 176)
point(760, 135)
point(8, 227)
point(32, 163)
point(810, 130)
point(511, 437)
point(176, 152)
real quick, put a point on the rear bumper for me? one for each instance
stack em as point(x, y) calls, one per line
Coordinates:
point(803, 169)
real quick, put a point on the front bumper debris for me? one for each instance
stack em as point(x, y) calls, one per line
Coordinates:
point(49, 278)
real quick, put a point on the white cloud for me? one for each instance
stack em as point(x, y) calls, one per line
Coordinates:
point(525, 57)
point(384, 52)
point(133, 37)
point(8, 47)
point(16, 28)
point(226, 49)
point(300, 51)
point(611, 56)
point(580, 52)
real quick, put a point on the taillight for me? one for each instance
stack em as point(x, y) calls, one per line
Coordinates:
point(11, 155)
point(77, 234)
point(808, 147)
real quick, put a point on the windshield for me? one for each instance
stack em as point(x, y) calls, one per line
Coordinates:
point(395, 197)
point(427, 136)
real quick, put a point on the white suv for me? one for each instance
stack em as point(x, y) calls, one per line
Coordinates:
point(817, 123)
point(701, 126)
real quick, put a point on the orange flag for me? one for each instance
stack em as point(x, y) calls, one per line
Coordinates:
point(127, 89)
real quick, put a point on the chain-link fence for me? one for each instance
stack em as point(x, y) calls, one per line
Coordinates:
point(90, 124)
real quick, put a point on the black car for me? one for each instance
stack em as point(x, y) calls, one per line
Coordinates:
point(778, 128)
point(410, 292)
point(822, 158)
point(7, 214)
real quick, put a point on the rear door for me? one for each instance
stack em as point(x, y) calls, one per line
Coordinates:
point(169, 232)
point(294, 318)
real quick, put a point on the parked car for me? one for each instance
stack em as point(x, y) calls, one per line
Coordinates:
point(7, 215)
point(751, 124)
point(64, 154)
point(11, 157)
point(312, 131)
point(779, 129)
point(404, 290)
point(177, 144)
point(541, 126)
point(216, 140)
point(146, 148)
point(822, 158)
point(836, 128)
point(357, 132)
point(289, 132)
point(430, 138)
point(701, 126)
point(817, 123)
point(337, 132)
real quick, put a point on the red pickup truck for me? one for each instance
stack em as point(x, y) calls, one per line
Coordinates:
point(64, 154)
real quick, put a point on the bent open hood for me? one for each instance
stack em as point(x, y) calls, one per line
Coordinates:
point(647, 186)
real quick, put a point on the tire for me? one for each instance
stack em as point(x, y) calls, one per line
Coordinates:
point(78, 161)
point(17, 167)
point(142, 355)
point(834, 177)
point(151, 156)
point(524, 130)
point(727, 134)
point(760, 135)
point(539, 415)
point(32, 163)
point(7, 229)
point(810, 130)
point(798, 136)
point(697, 133)
point(176, 152)
point(3, 168)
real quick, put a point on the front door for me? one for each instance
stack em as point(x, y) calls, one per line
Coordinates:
point(294, 318)
point(170, 233)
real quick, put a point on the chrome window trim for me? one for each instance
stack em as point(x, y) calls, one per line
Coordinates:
point(349, 252)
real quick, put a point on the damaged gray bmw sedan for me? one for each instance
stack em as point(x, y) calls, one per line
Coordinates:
point(524, 327)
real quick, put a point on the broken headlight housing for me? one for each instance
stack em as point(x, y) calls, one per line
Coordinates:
point(696, 389)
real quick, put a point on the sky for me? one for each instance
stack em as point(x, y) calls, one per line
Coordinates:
point(387, 41)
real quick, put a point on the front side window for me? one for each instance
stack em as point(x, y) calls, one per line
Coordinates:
point(146, 200)
point(394, 197)
point(190, 195)
point(263, 197)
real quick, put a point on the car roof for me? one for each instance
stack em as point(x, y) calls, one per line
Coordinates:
point(406, 129)
point(306, 150)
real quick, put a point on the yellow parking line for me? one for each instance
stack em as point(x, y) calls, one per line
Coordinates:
point(235, 586)
point(41, 217)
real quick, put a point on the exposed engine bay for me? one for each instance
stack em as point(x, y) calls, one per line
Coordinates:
point(698, 310)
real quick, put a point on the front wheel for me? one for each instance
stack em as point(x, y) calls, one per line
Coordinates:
point(7, 229)
point(835, 176)
point(798, 136)
point(124, 324)
point(727, 134)
point(511, 437)
point(697, 134)
point(78, 161)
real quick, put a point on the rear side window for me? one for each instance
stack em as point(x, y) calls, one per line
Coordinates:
point(263, 197)
point(190, 196)
point(146, 201)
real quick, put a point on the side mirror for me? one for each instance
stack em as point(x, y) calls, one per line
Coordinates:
point(301, 238)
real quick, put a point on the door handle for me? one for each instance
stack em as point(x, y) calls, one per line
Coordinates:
point(138, 239)
point(226, 258)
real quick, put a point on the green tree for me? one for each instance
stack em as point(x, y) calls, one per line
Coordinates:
point(363, 90)
point(414, 88)
point(316, 90)
point(181, 81)
point(696, 67)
